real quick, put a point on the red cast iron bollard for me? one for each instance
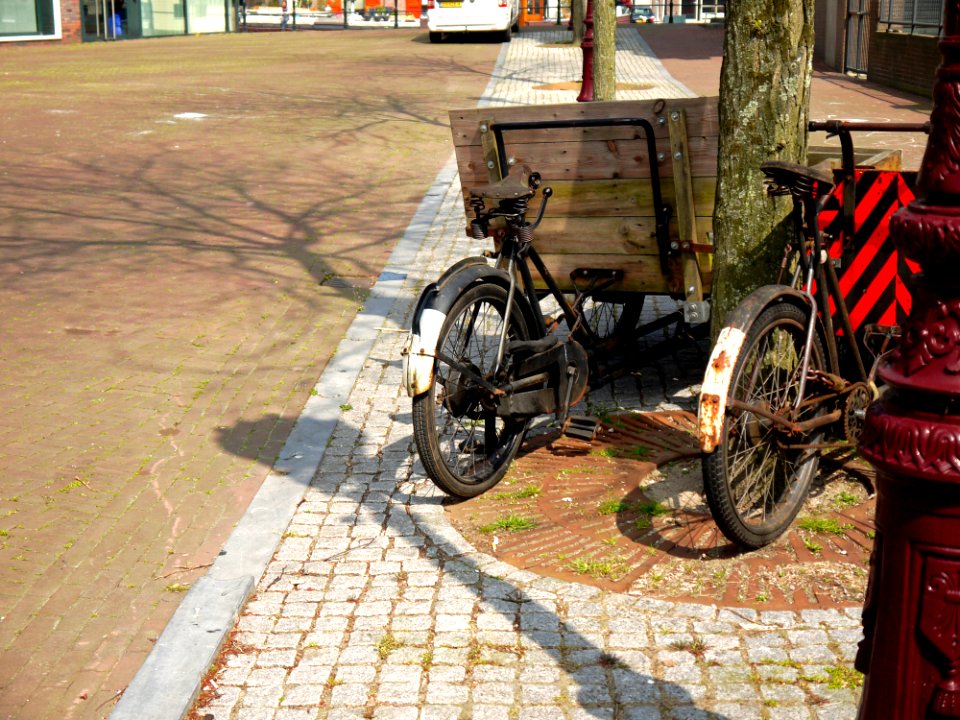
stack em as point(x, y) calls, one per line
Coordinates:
point(911, 647)
point(586, 87)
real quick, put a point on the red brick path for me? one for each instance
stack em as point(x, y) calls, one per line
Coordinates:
point(626, 513)
point(170, 290)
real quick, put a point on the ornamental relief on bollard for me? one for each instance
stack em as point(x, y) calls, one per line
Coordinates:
point(917, 446)
point(929, 235)
point(935, 337)
point(940, 624)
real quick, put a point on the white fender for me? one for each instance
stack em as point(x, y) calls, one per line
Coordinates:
point(420, 351)
point(716, 386)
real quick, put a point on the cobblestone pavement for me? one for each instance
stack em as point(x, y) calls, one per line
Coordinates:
point(375, 607)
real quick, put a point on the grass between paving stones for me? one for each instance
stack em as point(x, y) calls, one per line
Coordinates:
point(481, 653)
point(524, 493)
point(645, 509)
point(611, 568)
point(696, 646)
point(825, 525)
point(387, 644)
point(835, 677)
point(509, 523)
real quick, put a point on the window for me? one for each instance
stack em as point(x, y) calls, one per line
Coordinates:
point(911, 17)
point(20, 18)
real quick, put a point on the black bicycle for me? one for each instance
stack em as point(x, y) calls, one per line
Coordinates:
point(787, 378)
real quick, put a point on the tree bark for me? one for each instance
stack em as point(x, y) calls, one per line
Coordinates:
point(578, 10)
point(604, 50)
point(764, 108)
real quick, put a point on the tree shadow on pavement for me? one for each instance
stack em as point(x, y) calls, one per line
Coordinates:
point(565, 626)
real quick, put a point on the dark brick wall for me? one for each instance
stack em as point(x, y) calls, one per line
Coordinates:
point(906, 62)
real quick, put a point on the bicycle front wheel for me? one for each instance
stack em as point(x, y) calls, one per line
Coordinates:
point(464, 446)
point(758, 478)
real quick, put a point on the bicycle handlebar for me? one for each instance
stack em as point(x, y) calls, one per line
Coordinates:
point(547, 192)
point(835, 127)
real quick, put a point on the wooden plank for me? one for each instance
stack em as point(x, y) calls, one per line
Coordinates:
point(615, 198)
point(685, 208)
point(641, 273)
point(606, 160)
point(604, 235)
point(878, 158)
point(702, 116)
point(883, 160)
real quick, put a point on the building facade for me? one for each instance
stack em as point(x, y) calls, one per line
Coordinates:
point(76, 20)
point(904, 43)
point(891, 42)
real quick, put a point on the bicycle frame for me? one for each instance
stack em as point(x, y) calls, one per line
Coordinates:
point(517, 252)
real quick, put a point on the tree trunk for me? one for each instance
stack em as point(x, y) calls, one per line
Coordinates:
point(604, 50)
point(577, 10)
point(764, 107)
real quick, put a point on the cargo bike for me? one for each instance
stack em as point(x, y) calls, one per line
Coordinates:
point(591, 208)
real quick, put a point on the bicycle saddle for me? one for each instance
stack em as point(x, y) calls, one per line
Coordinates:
point(521, 182)
point(787, 177)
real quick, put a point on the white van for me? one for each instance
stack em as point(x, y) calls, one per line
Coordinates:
point(461, 16)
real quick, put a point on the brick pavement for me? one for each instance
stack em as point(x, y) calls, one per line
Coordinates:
point(374, 606)
point(172, 285)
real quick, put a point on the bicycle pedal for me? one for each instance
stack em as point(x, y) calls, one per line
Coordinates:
point(581, 427)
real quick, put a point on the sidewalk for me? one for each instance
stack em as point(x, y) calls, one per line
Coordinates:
point(374, 606)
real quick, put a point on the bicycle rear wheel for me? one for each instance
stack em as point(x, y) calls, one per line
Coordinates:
point(758, 478)
point(464, 446)
point(611, 319)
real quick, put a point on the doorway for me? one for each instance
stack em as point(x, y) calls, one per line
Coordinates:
point(855, 52)
point(111, 19)
point(531, 11)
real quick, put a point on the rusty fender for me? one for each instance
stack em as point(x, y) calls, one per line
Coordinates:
point(723, 358)
point(716, 384)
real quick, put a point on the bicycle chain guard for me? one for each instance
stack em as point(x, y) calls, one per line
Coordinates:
point(564, 367)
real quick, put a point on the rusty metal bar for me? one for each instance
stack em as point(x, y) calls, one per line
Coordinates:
point(801, 427)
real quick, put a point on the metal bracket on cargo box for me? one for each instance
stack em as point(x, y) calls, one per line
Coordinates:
point(686, 209)
point(695, 313)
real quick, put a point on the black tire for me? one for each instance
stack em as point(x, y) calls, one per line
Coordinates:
point(754, 485)
point(435, 37)
point(465, 448)
point(507, 35)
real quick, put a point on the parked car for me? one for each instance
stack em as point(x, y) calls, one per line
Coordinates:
point(467, 16)
point(642, 15)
